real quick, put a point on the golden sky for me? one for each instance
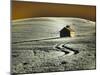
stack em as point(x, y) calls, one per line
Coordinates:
point(22, 9)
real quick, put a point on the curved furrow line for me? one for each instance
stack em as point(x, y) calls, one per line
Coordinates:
point(68, 51)
point(71, 49)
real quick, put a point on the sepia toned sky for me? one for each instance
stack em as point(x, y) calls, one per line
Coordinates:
point(22, 9)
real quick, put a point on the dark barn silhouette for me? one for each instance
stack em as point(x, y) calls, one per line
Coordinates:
point(66, 32)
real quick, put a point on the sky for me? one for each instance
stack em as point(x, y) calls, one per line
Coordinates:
point(22, 9)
